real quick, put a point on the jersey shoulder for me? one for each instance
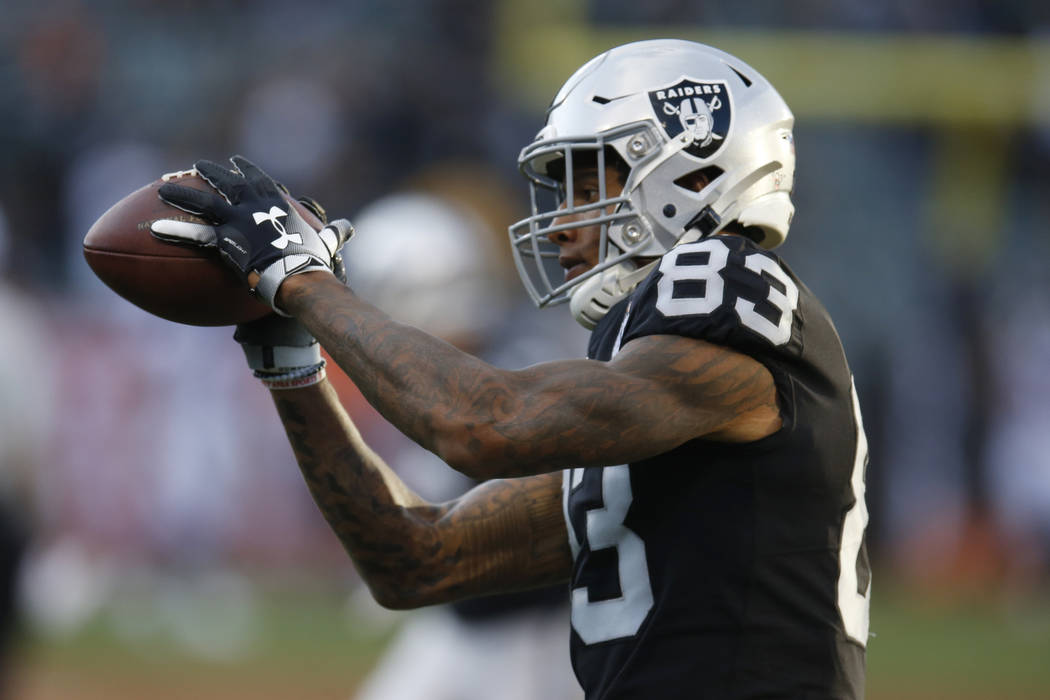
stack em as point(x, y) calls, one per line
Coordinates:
point(723, 289)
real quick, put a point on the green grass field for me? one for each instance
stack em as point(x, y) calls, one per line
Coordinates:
point(307, 646)
point(959, 649)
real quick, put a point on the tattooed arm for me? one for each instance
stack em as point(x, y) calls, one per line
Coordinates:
point(659, 392)
point(503, 535)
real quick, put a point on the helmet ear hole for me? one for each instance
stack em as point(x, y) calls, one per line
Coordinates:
point(697, 180)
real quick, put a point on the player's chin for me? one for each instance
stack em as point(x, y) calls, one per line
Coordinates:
point(575, 271)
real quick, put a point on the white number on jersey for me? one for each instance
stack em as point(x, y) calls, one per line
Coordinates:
point(674, 269)
point(853, 605)
point(615, 618)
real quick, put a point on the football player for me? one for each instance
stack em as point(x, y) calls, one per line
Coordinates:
point(698, 481)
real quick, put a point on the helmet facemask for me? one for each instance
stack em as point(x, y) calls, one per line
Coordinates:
point(551, 169)
point(629, 239)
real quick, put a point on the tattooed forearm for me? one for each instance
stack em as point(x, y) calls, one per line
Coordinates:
point(503, 535)
point(658, 393)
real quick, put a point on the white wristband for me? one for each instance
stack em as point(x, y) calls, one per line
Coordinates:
point(293, 379)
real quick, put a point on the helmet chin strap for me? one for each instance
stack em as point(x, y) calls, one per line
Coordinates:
point(592, 298)
point(706, 222)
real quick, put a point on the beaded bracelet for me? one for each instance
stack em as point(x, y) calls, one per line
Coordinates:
point(294, 378)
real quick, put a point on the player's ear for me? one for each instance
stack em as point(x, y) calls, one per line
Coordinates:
point(699, 179)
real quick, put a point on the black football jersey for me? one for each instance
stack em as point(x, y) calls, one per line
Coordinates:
point(721, 570)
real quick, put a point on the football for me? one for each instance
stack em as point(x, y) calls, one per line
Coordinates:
point(185, 284)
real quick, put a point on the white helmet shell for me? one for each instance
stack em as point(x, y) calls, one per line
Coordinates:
point(667, 108)
point(429, 263)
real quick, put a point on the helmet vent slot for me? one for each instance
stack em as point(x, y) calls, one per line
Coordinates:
point(601, 100)
point(747, 81)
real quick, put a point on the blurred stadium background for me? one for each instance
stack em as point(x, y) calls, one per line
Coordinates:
point(169, 547)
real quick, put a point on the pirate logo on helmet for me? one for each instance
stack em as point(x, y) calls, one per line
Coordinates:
point(696, 110)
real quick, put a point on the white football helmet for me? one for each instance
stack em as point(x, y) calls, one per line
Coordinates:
point(667, 108)
point(428, 262)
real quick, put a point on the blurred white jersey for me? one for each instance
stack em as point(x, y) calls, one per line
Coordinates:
point(436, 656)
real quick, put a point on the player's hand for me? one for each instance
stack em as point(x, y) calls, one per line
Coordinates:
point(279, 349)
point(255, 229)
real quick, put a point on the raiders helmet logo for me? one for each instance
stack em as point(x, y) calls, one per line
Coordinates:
point(700, 109)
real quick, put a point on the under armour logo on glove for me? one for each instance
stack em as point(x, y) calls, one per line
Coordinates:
point(281, 242)
point(236, 206)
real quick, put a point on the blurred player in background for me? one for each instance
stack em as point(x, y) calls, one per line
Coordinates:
point(26, 420)
point(431, 263)
point(698, 481)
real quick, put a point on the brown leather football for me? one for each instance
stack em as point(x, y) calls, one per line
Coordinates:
point(186, 284)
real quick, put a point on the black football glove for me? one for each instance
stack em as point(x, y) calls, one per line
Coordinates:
point(279, 349)
point(275, 345)
point(255, 229)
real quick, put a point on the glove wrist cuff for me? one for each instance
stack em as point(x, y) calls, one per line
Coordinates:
point(281, 357)
point(272, 277)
